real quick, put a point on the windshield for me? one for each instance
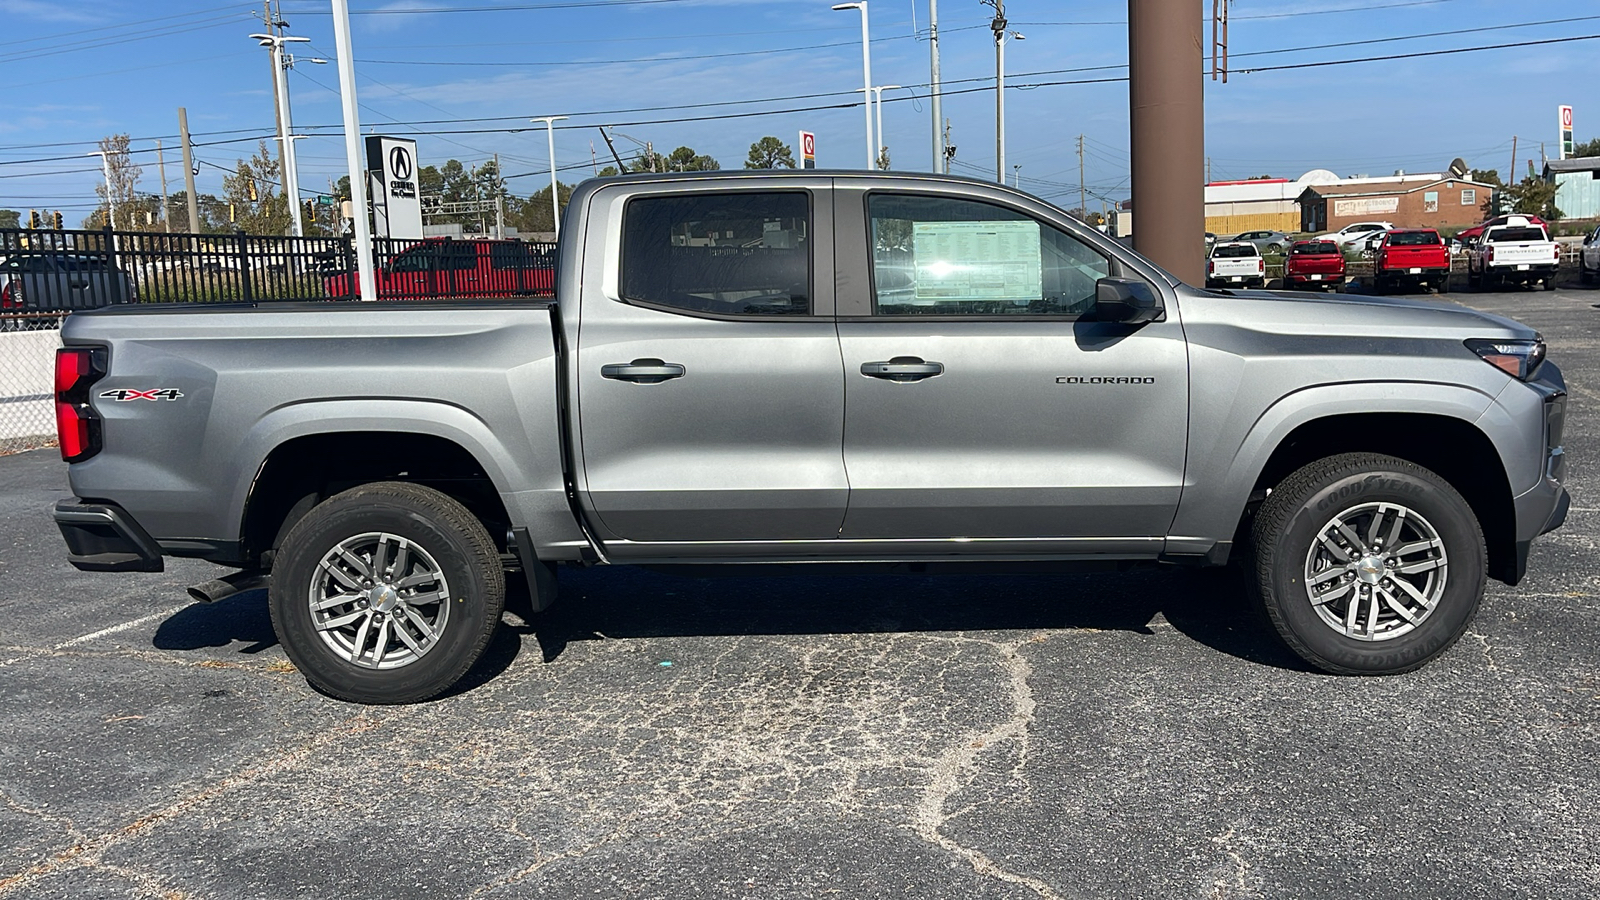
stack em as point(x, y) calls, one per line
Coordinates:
point(1228, 251)
point(1413, 238)
point(1516, 234)
point(1314, 248)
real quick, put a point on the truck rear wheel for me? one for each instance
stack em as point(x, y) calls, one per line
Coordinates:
point(386, 593)
point(1367, 564)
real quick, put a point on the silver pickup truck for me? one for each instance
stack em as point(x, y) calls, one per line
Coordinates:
point(911, 372)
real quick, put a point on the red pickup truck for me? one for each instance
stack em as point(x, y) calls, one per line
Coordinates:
point(447, 268)
point(1411, 256)
point(1316, 263)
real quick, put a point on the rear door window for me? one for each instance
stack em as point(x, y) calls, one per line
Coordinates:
point(729, 254)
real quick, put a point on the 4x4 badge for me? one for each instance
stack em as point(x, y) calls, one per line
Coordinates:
point(152, 394)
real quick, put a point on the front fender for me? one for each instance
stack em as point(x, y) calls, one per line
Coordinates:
point(1223, 471)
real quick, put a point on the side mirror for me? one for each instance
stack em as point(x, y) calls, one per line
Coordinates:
point(1127, 301)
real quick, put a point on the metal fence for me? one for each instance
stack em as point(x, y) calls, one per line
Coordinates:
point(46, 275)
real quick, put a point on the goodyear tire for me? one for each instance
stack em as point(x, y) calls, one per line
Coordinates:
point(1367, 564)
point(386, 593)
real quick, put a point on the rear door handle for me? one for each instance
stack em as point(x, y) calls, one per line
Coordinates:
point(902, 368)
point(642, 371)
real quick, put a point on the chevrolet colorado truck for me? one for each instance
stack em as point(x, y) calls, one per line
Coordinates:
point(1407, 257)
point(830, 369)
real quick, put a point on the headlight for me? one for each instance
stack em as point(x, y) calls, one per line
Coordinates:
point(1519, 359)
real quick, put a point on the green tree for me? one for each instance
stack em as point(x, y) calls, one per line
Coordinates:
point(1484, 176)
point(770, 153)
point(254, 191)
point(1533, 196)
point(683, 159)
point(609, 171)
point(10, 218)
point(533, 214)
point(122, 178)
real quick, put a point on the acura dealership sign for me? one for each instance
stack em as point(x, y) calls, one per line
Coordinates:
point(392, 178)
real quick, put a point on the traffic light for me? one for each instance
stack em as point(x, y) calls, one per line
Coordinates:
point(55, 221)
point(33, 218)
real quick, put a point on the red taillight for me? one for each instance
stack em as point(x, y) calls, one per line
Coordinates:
point(77, 426)
point(11, 295)
point(1489, 255)
point(1261, 267)
point(1211, 267)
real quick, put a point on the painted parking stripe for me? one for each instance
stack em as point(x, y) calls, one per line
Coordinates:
point(95, 635)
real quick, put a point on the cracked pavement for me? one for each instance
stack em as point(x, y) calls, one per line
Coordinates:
point(1022, 736)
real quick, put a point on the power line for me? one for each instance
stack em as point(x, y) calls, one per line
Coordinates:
point(408, 11)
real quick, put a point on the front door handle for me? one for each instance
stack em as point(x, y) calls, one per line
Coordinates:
point(902, 368)
point(642, 371)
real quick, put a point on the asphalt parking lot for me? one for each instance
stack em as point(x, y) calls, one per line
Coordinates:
point(1057, 736)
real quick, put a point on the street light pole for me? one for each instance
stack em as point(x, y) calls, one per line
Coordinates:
point(866, 77)
point(111, 198)
point(352, 149)
point(555, 200)
point(883, 144)
point(280, 88)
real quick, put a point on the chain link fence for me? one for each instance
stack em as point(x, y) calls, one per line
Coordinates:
point(27, 375)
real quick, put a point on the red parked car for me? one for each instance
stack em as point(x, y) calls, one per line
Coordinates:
point(443, 268)
point(1314, 264)
point(1410, 257)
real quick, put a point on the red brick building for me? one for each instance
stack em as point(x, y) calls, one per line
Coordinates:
point(1409, 201)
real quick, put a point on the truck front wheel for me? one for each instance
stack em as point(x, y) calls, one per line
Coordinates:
point(1367, 564)
point(386, 593)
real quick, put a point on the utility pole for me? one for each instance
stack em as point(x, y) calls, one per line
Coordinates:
point(271, 23)
point(1083, 202)
point(161, 165)
point(1167, 133)
point(941, 163)
point(1511, 174)
point(188, 171)
point(499, 203)
point(998, 26)
point(621, 169)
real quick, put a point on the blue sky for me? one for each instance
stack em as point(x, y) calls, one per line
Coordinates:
point(76, 72)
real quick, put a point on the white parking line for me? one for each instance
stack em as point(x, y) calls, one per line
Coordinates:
point(94, 635)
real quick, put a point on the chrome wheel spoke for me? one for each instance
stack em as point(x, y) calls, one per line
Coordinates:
point(1325, 576)
point(341, 621)
point(360, 643)
point(344, 578)
point(414, 580)
point(1332, 546)
point(378, 555)
point(1416, 547)
point(404, 633)
point(335, 600)
point(1426, 565)
point(402, 559)
point(1399, 608)
point(1332, 595)
point(355, 562)
point(1415, 594)
point(424, 599)
point(381, 643)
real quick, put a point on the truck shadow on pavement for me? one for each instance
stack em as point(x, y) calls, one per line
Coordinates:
point(1210, 607)
point(242, 618)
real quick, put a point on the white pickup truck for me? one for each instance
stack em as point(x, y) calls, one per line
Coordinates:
point(1518, 252)
point(1236, 263)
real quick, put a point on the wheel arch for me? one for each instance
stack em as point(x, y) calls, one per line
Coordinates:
point(302, 469)
point(1454, 448)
